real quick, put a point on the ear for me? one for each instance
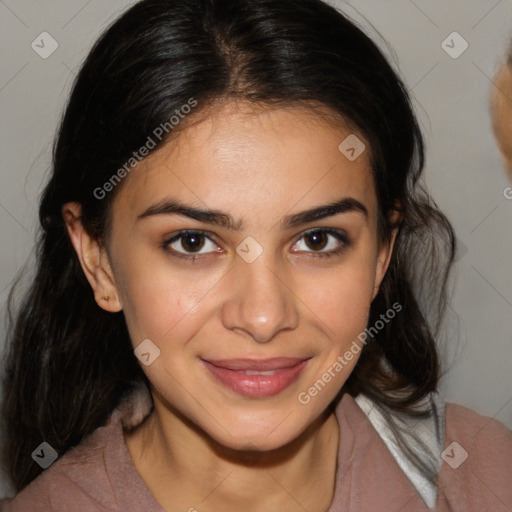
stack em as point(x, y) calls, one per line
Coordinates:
point(93, 259)
point(386, 250)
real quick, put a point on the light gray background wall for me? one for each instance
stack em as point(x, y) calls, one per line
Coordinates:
point(450, 94)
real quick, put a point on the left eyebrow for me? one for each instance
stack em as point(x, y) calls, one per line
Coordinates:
point(216, 217)
point(345, 205)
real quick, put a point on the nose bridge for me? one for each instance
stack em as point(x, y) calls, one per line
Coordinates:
point(261, 302)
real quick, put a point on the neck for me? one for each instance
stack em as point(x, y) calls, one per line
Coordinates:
point(185, 469)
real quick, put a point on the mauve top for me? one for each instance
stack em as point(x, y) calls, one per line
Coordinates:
point(99, 475)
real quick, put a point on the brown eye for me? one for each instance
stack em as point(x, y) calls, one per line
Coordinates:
point(325, 242)
point(316, 240)
point(191, 243)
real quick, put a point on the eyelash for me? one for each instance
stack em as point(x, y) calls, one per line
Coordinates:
point(339, 235)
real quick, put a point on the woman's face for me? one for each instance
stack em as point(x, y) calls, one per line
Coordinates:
point(255, 303)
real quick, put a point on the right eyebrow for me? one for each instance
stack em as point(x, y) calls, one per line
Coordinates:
point(225, 220)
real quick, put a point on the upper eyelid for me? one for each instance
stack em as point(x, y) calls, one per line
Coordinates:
point(211, 236)
point(184, 232)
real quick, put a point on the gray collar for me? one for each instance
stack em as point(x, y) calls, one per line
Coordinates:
point(415, 443)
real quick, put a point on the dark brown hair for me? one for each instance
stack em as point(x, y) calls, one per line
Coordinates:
point(70, 362)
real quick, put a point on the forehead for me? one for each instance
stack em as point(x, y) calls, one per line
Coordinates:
point(240, 155)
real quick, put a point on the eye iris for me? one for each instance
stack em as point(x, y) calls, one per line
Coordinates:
point(317, 237)
point(192, 242)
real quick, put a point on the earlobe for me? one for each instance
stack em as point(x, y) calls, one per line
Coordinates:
point(93, 259)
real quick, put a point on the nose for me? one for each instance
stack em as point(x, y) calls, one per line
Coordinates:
point(260, 303)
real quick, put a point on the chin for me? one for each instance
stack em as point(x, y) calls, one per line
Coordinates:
point(258, 442)
point(263, 433)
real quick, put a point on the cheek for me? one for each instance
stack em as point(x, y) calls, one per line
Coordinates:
point(158, 302)
point(342, 298)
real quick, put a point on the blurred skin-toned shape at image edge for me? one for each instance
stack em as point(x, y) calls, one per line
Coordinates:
point(225, 314)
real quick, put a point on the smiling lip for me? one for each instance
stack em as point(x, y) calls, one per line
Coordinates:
point(257, 378)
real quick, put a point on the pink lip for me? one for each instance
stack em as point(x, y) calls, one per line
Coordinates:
point(231, 373)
